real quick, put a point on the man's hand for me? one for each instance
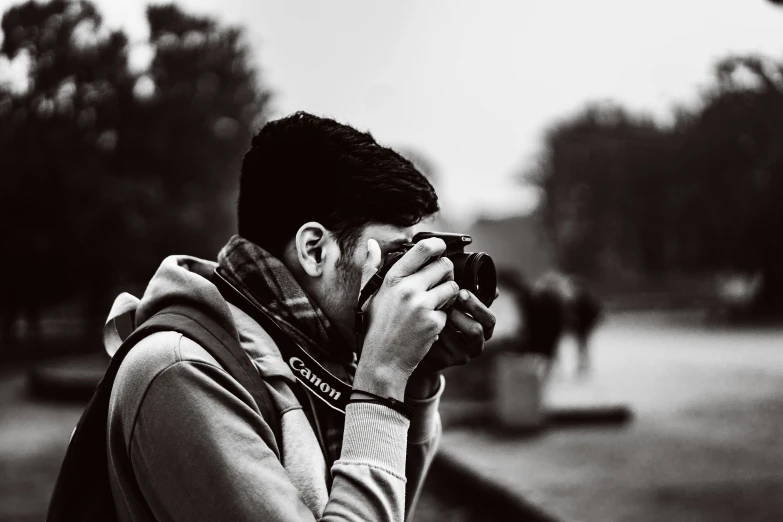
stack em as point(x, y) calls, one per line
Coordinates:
point(469, 324)
point(405, 315)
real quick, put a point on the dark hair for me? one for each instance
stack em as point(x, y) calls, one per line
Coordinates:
point(306, 168)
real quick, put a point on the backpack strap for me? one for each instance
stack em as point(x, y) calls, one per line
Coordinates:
point(82, 491)
point(225, 348)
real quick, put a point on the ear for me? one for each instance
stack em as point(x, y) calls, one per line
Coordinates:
point(310, 243)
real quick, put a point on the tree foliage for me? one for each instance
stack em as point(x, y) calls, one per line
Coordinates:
point(106, 170)
point(624, 195)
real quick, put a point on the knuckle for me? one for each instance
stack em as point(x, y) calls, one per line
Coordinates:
point(432, 245)
point(406, 292)
point(475, 330)
point(446, 264)
point(392, 280)
point(431, 327)
point(438, 321)
point(492, 320)
point(442, 318)
point(418, 302)
point(423, 247)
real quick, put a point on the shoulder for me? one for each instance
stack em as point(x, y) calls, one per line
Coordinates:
point(152, 357)
point(154, 354)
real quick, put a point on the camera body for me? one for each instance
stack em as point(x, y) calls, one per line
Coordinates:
point(473, 271)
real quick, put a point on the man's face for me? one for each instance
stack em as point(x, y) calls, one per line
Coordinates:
point(342, 276)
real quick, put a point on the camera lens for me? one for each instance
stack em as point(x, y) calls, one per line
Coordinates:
point(476, 272)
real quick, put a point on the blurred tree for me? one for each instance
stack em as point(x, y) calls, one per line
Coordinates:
point(624, 195)
point(106, 171)
point(205, 106)
point(600, 175)
point(733, 155)
point(56, 153)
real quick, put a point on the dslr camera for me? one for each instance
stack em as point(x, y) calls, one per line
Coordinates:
point(473, 271)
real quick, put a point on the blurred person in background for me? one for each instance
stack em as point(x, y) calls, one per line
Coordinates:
point(584, 311)
point(559, 304)
point(546, 316)
point(320, 204)
point(517, 287)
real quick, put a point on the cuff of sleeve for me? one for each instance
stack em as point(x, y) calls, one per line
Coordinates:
point(375, 435)
point(425, 415)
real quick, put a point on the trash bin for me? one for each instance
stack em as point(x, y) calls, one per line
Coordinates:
point(517, 399)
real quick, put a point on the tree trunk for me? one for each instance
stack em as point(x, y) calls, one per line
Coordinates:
point(768, 304)
point(7, 323)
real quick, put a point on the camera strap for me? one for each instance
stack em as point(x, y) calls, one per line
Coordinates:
point(368, 291)
point(316, 379)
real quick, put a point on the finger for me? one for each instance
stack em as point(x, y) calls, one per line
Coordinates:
point(440, 318)
point(441, 294)
point(471, 304)
point(467, 325)
point(457, 348)
point(415, 258)
point(372, 261)
point(449, 304)
point(441, 269)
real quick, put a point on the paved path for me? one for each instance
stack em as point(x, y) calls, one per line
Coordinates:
point(33, 437)
point(706, 443)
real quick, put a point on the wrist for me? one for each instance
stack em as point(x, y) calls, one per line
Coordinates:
point(422, 386)
point(381, 381)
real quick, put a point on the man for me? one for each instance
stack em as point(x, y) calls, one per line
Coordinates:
point(546, 316)
point(320, 204)
point(585, 313)
point(559, 304)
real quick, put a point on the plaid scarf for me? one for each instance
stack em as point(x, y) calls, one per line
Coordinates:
point(267, 282)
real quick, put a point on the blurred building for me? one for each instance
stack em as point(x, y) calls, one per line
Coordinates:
point(515, 243)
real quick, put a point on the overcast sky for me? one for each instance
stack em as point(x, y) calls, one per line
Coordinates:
point(472, 85)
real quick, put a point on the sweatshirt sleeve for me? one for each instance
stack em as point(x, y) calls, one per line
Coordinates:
point(197, 454)
point(423, 438)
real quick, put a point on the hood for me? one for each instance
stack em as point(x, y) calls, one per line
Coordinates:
point(178, 280)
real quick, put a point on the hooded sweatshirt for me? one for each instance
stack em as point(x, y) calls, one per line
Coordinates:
point(186, 442)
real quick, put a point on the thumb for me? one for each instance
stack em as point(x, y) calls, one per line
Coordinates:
point(372, 262)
